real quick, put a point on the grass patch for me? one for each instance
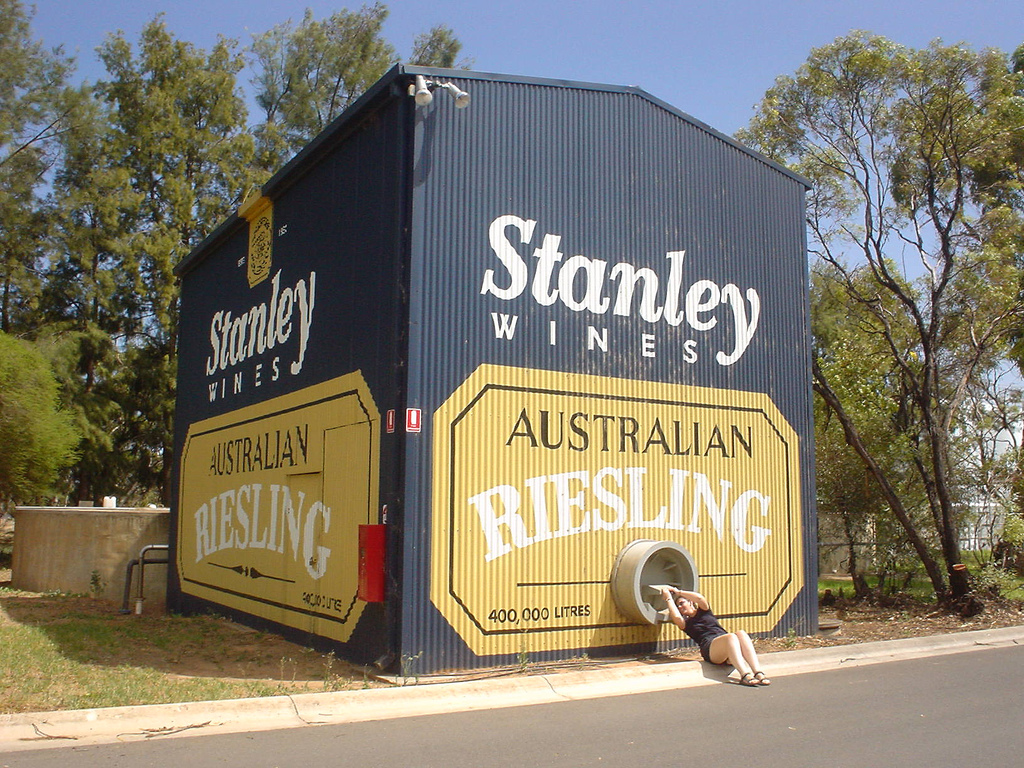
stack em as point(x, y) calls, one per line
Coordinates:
point(61, 652)
point(986, 578)
point(919, 588)
point(41, 673)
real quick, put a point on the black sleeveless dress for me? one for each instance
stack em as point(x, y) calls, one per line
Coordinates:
point(702, 628)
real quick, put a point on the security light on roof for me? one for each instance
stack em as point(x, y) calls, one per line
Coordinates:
point(422, 90)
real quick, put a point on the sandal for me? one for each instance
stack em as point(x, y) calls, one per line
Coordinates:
point(761, 679)
point(748, 680)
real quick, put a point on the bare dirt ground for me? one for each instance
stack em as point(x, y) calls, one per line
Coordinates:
point(865, 623)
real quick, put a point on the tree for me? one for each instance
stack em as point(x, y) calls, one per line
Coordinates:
point(92, 296)
point(991, 429)
point(307, 75)
point(23, 230)
point(164, 160)
point(36, 435)
point(920, 237)
point(437, 48)
point(31, 80)
point(851, 507)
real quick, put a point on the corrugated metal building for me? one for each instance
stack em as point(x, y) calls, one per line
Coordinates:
point(451, 363)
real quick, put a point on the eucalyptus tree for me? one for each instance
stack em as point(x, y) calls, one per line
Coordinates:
point(851, 506)
point(918, 234)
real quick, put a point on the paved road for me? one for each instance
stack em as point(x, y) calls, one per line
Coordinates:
point(964, 709)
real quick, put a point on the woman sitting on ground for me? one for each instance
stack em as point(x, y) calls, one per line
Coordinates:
point(691, 612)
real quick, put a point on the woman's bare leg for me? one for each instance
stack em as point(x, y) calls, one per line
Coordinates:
point(737, 649)
point(747, 649)
point(728, 649)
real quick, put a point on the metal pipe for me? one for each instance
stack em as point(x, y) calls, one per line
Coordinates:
point(142, 562)
point(142, 571)
point(128, 585)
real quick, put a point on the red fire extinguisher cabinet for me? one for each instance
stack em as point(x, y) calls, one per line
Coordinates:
point(371, 563)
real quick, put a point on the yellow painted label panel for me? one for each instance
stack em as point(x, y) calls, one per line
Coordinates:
point(542, 478)
point(260, 215)
point(271, 499)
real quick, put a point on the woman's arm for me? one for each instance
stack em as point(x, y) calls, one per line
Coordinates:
point(673, 611)
point(694, 597)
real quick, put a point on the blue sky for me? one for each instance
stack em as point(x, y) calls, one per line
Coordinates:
point(713, 60)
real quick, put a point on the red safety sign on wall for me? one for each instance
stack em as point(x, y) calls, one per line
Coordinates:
point(412, 420)
point(390, 422)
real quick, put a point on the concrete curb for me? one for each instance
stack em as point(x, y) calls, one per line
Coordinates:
point(40, 730)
